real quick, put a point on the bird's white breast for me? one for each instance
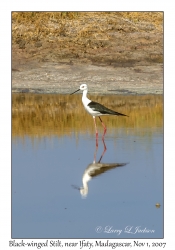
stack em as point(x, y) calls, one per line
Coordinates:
point(85, 102)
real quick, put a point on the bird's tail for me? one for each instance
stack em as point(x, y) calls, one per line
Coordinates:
point(117, 113)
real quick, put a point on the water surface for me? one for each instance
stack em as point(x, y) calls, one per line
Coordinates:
point(54, 147)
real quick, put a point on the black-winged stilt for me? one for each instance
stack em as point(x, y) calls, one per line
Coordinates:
point(95, 108)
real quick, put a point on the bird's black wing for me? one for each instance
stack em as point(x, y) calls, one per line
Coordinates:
point(102, 109)
point(103, 167)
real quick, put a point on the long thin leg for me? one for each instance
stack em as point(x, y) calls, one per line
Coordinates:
point(95, 153)
point(105, 129)
point(96, 132)
point(104, 150)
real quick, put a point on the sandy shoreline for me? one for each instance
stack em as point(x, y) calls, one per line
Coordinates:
point(64, 78)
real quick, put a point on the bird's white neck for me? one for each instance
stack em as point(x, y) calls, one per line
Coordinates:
point(85, 100)
point(84, 189)
point(85, 93)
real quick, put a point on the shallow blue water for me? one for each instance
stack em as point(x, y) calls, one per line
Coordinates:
point(120, 203)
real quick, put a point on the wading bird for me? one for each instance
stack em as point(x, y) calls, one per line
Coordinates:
point(95, 108)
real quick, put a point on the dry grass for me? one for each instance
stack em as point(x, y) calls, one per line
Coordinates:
point(155, 18)
point(35, 26)
point(40, 115)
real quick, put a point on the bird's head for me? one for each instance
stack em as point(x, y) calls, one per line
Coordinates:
point(82, 87)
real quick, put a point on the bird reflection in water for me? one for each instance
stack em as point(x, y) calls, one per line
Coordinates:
point(95, 169)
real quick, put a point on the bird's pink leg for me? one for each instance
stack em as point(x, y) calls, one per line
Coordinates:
point(105, 129)
point(96, 150)
point(96, 132)
point(104, 150)
point(104, 144)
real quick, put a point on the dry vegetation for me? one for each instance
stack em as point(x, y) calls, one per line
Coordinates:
point(39, 115)
point(81, 34)
point(34, 26)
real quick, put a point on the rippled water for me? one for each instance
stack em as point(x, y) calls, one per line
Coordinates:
point(63, 186)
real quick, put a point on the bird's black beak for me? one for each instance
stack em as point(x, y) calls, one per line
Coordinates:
point(76, 187)
point(75, 91)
